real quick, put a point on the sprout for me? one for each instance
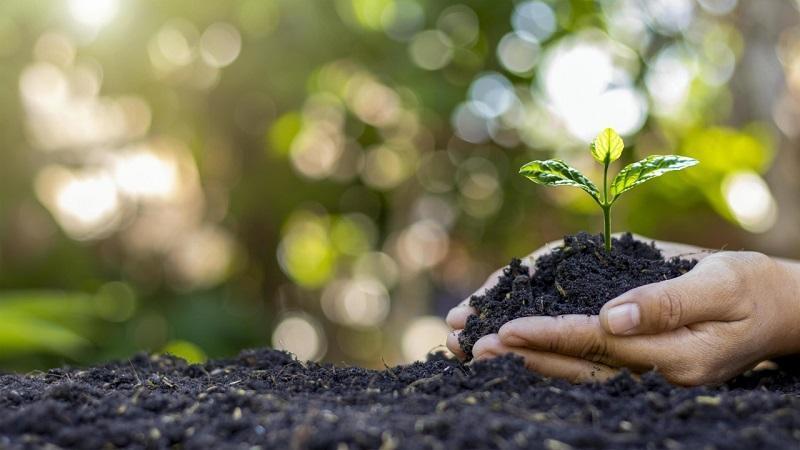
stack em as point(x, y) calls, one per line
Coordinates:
point(606, 148)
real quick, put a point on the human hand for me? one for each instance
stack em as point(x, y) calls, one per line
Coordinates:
point(457, 316)
point(733, 310)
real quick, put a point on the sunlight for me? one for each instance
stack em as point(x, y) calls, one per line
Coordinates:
point(424, 334)
point(301, 335)
point(750, 201)
point(144, 174)
point(86, 205)
point(589, 90)
point(93, 13)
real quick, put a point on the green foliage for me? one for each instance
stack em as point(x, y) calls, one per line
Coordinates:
point(651, 167)
point(554, 172)
point(606, 148)
point(47, 322)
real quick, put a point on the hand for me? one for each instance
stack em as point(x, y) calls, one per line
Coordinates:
point(457, 317)
point(733, 310)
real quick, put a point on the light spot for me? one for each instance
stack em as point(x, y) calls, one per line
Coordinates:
point(93, 13)
point(535, 18)
point(491, 94)
point(750, 201)
point(423, 245)
point(220, 44)
point(423, 335)
point(431, 49)
point(518, 52)
point(301, 335)
point(85, 204)
point(460, 23)
point(145, 174)
point(589, 89)
point(469, 124)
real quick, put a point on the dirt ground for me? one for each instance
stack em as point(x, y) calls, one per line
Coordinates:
point(266, 399)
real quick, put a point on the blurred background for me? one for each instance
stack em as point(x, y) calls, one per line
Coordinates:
point(330, 177)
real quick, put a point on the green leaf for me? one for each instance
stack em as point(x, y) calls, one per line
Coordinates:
point(607, 146)
point(651, 167)
point(557, 173)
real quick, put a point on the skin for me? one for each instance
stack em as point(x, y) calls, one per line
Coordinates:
point(731, 312)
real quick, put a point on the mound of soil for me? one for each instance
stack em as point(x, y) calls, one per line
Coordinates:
point(266, 399)
point(576, 278)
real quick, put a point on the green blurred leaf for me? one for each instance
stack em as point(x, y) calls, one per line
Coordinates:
point(186, 350)
point(44, 322)
point(607, 146)
point(651, 167)
point(21, 334)
point(554, 172)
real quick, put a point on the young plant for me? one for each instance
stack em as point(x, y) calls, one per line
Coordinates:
point(606, 148)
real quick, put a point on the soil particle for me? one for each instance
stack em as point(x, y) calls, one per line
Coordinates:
point(576, 278)
point(266, 399)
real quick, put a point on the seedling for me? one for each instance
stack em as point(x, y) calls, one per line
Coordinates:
point(606, 148)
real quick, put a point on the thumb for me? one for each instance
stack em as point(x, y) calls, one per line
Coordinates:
point(707, 292)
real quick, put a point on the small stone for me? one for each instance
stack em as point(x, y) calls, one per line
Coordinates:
point(155, 434)
point(552, 444)
point(711, 400)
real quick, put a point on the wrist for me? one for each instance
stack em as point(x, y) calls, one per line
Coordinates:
point(791, 305)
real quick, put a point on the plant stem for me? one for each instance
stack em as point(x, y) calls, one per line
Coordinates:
point(606, 208)
point(607, 228)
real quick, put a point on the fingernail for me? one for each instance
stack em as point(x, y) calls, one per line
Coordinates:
point(624, 318)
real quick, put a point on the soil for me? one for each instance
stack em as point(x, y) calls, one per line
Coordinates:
point(576, 278)
point(266, 399)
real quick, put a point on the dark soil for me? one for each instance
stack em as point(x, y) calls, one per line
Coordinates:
point(266, 399)
point(576, 278)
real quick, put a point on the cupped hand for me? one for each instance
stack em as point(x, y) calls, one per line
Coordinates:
point(733, 310)
point(457, 317)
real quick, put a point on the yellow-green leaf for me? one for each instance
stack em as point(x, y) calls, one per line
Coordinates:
point(651, 167)
point(553, 172)
point(607, 146)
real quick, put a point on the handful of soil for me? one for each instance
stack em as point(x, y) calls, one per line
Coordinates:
point(576, 278)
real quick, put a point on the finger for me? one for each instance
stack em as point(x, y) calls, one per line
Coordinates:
point(454, 346)
point(548, 364)
point(457, 317)
point(582, 336)
point(706, 293)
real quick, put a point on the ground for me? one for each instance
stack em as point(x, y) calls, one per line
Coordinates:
point(267, 399)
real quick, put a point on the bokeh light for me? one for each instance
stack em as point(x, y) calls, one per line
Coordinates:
point(299, 334)
point(431, 49)
point(423, 335)
point(94, 13)
point(750, 200)
point(86, 204)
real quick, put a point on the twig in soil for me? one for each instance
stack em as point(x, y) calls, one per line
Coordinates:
point(389, 369)
point(135, 373)
point(493, 382)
